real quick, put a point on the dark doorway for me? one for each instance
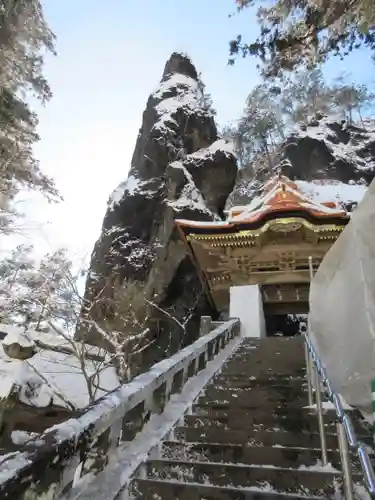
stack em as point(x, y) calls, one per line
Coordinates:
point(285, 325)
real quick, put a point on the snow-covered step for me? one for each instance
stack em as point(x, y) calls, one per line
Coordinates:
point(244, 381)
point(239, 421)
point(262, 368)
point(156, 489)
point(256, 396)
point(294, 419)
point(254, 437)
point(276, 456)
point(250, 434)
point(252, 402)
point(315, 481)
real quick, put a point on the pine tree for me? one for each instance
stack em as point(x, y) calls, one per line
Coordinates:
point(305, 95)
point(260, 126)
point(48, 289)
point(291, 32)
point(273, 110)
point(351, 99)
point(24, 35)
point(206, 99)
point(36, 294)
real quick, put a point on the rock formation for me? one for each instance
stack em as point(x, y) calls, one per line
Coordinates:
point(179, 170)
point(325, 151)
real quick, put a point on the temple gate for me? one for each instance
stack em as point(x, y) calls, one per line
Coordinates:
point(268, 244)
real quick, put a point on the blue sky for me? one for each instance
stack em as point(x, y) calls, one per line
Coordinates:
point(109, 60)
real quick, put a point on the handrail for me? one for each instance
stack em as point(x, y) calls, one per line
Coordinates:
point(46, 465)
point(356, 446)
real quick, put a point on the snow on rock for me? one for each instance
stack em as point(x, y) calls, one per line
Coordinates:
point(18, 336)
point(21, 437)
point(53, 376)
point(18, 344)
point(189, 198)
point(184, 92)
point(353, 144)
point(329, 160)
point(130, 187)
point(223, 146)
point(179, 169)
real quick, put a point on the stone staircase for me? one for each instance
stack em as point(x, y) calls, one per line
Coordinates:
point(249, 435)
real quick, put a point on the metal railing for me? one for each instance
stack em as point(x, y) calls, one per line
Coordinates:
point(317, 376)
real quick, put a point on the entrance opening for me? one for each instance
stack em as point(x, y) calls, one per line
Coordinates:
point(285, 325)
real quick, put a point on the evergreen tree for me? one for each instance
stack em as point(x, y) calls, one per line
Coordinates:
point(206, 99)
point(260, 127)
point(351, 99)
point(48, 289)
point(304, 96)
point(24, 36)
point(13, 287)
point(304, 33)
point(33, 294)
point(273, 110)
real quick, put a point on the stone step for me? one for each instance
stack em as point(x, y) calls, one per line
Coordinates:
point(154, 489)
point(257, 396)
point(298, 481)
point(263, 370)
point(247, 454)
point(244, 382)
point(270, 351)
point(255, 437)
point(262, 354)
point(255, 414)
point(288, 342)
point(253, 401)
point(239, 422)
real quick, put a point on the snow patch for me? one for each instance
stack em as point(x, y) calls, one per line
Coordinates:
point(328, 405)
point(222, 145)
point(54, 376)
point(21, 437)
point(190, 198)
point(332, 190)
point(18, 336)
point(130, 186)
point(11, 462)
point(353, 150)
point(177, 92)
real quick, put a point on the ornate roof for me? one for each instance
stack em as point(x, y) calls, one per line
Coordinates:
point(281, 198)
point(283, 195)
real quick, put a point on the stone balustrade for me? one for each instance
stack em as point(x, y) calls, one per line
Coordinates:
point(47, 466)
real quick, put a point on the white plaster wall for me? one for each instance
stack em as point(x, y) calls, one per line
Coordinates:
point(247, 305)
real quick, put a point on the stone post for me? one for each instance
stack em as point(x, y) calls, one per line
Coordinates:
point(205, 326)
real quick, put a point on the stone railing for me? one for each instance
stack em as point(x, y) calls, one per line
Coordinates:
point(48, 465)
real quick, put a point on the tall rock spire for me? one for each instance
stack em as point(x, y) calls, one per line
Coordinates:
point(179, 169)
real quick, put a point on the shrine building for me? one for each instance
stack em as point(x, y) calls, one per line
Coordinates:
point(267, 244)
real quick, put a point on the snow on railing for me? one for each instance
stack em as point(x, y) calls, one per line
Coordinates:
point(47, 465)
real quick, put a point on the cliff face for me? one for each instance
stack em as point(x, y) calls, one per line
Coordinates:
point(331, 159)
point(179, 170)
